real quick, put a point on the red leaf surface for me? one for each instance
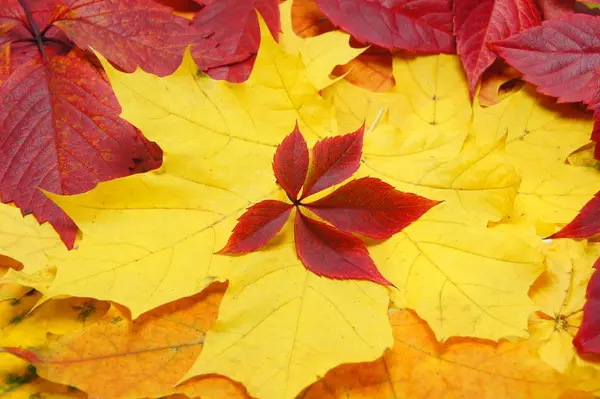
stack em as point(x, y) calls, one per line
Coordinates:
point(419, 26)
point(552, 9)
point(478, 22)
point(585, 224)
point(370, 207)
point(290, 163)
point(228, 36)
point(129, 33)
point(331, 253)
point(60, 131)
point(257, 226)
point(561, 57)
point(333, 160)
point(587, 340)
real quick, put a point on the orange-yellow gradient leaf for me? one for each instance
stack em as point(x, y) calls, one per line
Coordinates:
point(117, 358)
point(420, 367)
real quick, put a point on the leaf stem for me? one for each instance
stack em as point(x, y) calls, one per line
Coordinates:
point(36, 31)
point(376, 121)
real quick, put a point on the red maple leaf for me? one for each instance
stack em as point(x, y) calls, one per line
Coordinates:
point(366, 206)
point(59, 119)
point(229, 36)
point(478, 22)
point(561, 57)
point(587, 224)
point(417, 26)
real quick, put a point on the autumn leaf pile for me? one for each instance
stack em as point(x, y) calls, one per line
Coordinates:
point(316, 199)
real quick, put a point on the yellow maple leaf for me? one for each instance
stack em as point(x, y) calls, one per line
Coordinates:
point(150, 239)
point(420, 367)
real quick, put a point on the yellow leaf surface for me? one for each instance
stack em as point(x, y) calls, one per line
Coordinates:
point(25, 240)
point(462, 278)
point(296, 324)
point(560, 295)
point(320, 54)
point(432, 98)
point(151, 239)
point(420, 367)
point(117, 358)
point(20, 328)
point(540, 136)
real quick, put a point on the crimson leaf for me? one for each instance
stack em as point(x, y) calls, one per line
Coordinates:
point(419, 26)
point(290, 163)
point(478, 22)
point(257, 226)
point(228, 36)
point(370, 207)
point(331, 253)
point(334, 159)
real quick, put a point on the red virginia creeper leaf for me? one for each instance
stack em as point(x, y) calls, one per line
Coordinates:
point(129, 33)
point(60, 131)
point(478, 22)
point(370, 207)
point(229, 36)
point(290, 163)
point(419, 26)
point(331, 253)
point(561, 57)
point(585, 224)
point(333, 160)
point(587, 340)
point(260, 223)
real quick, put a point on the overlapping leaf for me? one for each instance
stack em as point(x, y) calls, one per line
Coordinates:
point(476, 23)
point(166, 340)
point(228, 36)
point(160, 230)
point(59, 126)
point(420, 367)
point(421, 27)
point(18, 329)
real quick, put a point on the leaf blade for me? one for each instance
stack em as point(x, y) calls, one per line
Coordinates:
point(426, 25)
point(476, 23)
point(257, 226)
point(290, 163)
point(585, 224)
point(328, 252)
point(334, 159)
point(370, 207)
